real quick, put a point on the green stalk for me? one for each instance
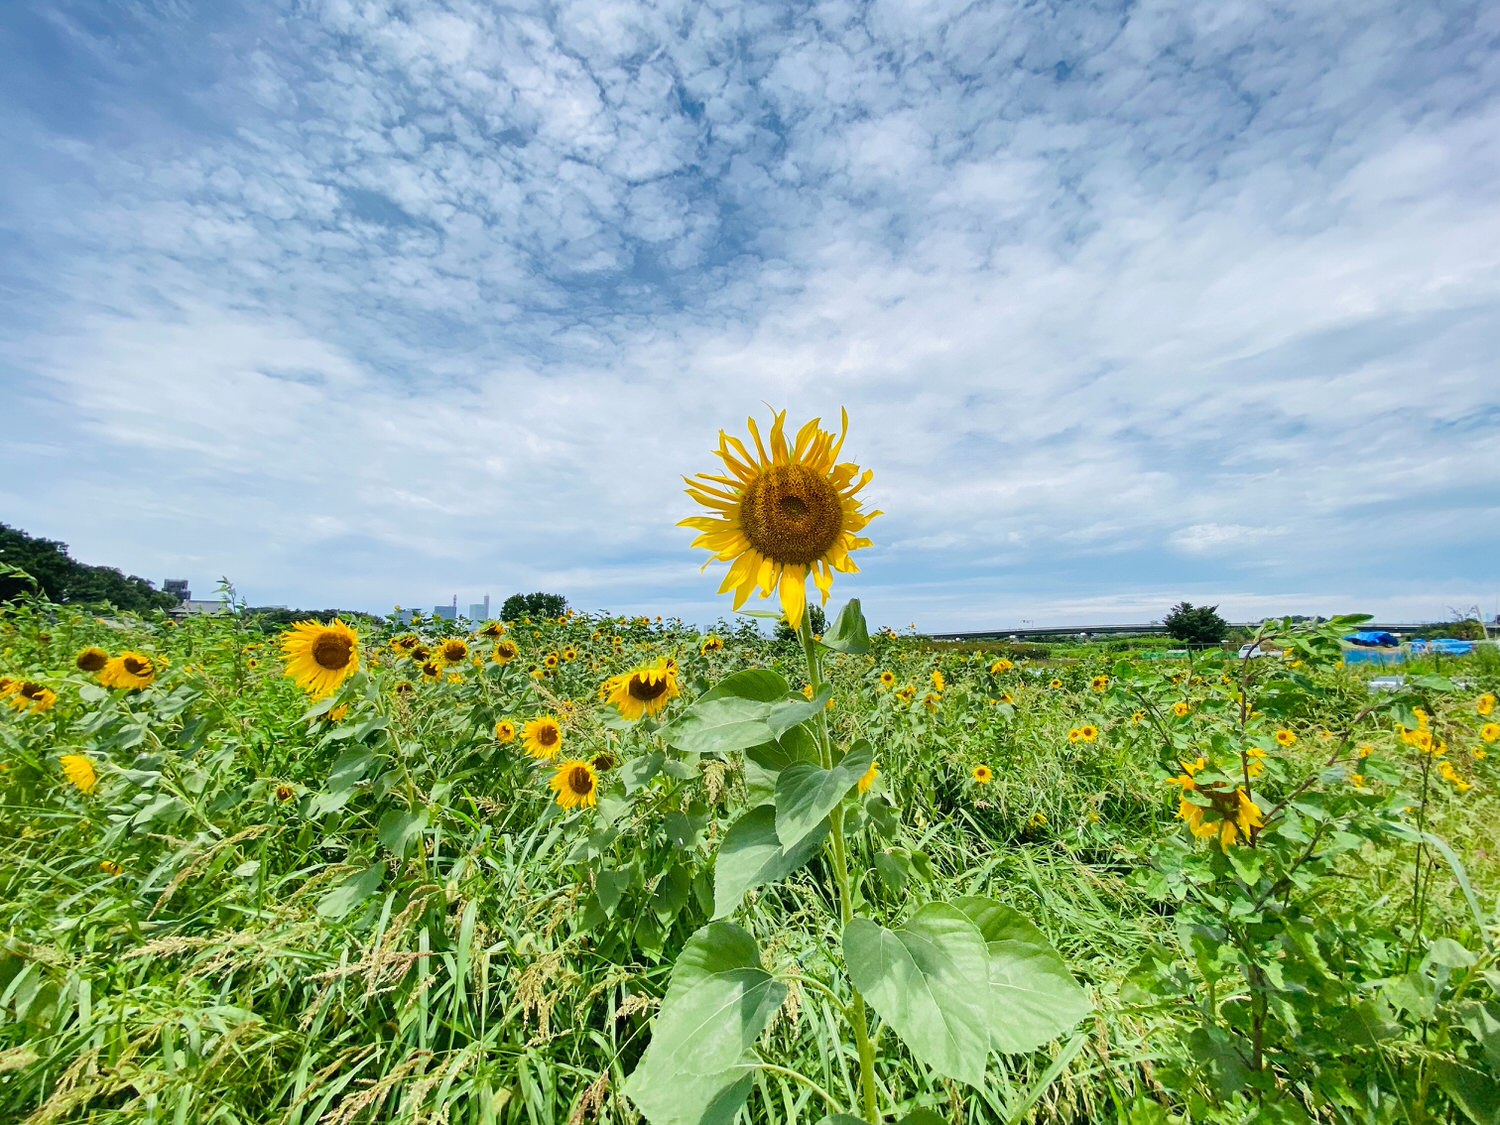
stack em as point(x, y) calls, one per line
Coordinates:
point(856, 1009)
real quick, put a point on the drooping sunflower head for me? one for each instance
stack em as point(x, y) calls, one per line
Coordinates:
point(432, 670)
point(505, 731)
point(320, 657)
point(30, 696)
point(454, 650)
point(542, 737)
point(111, 868)
point(711, 644)
point(576, 784)
point(782, 515)
point(1001, 666)
point(645, 690)
point(493, 629)
point(79, 770)
point(130, 671)
point(91, 659)
point(604, 761)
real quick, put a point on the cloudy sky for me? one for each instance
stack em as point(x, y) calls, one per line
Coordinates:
point(372, 301)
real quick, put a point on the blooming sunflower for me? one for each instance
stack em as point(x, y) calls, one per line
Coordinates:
point(939, 684)
point(711, 644)
point(1486, 704)
point(1181, 710)
point(320, 657)
point(1001, 666)
point(505, 652)
point(1055, 684)
point(887, 680)
point(1215, 811)
point(645, 690)
point(454, 650)
point(91, 659)
point(782, 516)
point(79, 769)
point(569, 655)
point(1285, 738)
point(28, 695)
point(432, 670)
point(869, 778)
point(1088, 732)
point(982, 775)
point(505, 730)
point(130, 671)
point(551, 660)
point(575, 783)
point(542, 737)
point(1100, 683)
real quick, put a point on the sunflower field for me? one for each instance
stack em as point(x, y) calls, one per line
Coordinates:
point(609, 869)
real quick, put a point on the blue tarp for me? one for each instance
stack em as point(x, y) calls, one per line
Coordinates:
point(1445, 646)
point(1369, 656)
point(1370, 638)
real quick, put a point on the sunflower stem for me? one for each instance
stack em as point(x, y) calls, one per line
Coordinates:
point(856, 1007)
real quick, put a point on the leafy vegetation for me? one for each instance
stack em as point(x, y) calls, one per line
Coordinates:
point(1199, 625)
point(371, 907)
point(28, 562)
point(538, 606)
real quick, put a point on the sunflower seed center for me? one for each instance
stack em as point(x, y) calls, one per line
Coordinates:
point(332, 652)
point(791, 514)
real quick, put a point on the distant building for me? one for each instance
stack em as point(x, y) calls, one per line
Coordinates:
point(445, 612)
point(188, 606)
point(178, 588)
point(480, 611)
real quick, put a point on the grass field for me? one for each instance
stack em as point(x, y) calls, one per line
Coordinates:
point(228, 900)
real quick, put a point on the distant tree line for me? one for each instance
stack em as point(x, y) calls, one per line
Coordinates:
point(276, 619)
point(63, 579)
point(535, 606)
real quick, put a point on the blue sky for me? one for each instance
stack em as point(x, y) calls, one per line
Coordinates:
point(361, 302)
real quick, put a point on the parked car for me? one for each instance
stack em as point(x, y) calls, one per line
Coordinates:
point(1256, 649)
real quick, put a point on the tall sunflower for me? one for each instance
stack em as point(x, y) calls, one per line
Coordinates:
point(781, 516)
point(130, 671)
point(642, 691)
point(320, 657)
point(575, 784)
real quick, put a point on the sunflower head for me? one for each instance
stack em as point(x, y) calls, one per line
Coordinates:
point(887, 680)
point(542, 737)
point(570, 655)
point(1181, 709)
point(575, 783)
point(1100, 683)
point(505, 652)
point(320, 657)
point(780, 516)
point(869, 778)
point(111, 868)
point(982, 775)
point(91, 659)
point(493, 629)
point(505, 730)
point(1088, 732)
point(1285, 738)
point(285, 793)
point(1000, 667)
point(1055, 684)
point(130, 671)
point(711, 644)
point(79, 770)
point(454, 650)
point(642, 691)
point(30, 696)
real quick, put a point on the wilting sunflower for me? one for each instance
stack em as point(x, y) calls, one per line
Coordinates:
point(542, 737)
point(320, 657)
point(781, 516)
point(869, 778)
point(645, 690)
point(404, 687)
point(505, 730)
point(575, 784)
point(982, 775)
point(454, 650)
point(711, 644)
point(604, 761)
point(285, 793)
point(404, 644)
point(419, 652)
point(493, 629)
point(30, 696)
point(79, 770)
point(505, 652)
point(130, 671)
point(91, 659)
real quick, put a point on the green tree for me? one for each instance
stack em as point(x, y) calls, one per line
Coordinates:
point(62, 579)
point(535, 606)
point(1198, 625)
point(815, 614)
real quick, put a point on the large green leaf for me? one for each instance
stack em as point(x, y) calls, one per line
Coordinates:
point(795, 745)
point(849, 632)
point(717, 726)
point(696, 1070)
point(1472, 1090)
point(1033, 997)
point(928, 980)
point(351, 893)
point(805, 794)
point(753, 683)
point(784, 716)
point(751, 854)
